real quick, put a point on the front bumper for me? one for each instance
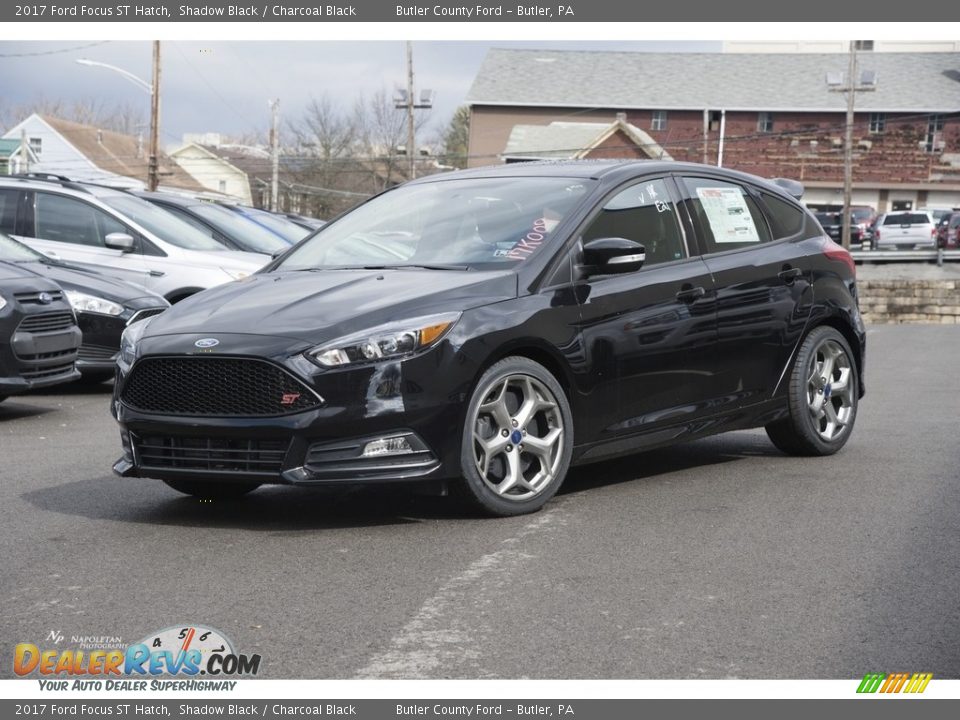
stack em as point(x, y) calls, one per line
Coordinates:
point(320, 445)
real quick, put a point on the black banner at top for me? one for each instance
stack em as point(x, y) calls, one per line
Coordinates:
point(827, 11)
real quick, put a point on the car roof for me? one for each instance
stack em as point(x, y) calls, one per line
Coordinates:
point(602, 168)
point(169, 198)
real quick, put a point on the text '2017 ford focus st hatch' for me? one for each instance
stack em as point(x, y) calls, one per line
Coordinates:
point(489, 328)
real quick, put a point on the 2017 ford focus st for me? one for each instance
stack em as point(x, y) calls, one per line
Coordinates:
point(490, 328)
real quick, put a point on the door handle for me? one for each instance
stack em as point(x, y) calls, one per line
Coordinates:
point(157, 273)
point(790, 274)
point(689, 294)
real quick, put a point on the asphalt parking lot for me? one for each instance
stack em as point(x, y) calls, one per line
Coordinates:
point(721, 558)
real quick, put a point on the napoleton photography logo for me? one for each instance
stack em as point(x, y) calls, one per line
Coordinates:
point(184, 653)
point(889, 683)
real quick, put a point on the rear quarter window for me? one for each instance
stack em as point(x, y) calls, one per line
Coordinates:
point(786, 219)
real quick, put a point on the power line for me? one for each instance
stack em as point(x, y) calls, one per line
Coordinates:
point(54, 52)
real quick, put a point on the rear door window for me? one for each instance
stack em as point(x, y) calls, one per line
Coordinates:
point(8, 210)
point(727, 217)
point(786, 219)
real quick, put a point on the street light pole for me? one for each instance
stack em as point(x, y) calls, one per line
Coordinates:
point(153, 170)
point(153, 165)
point(411, 128)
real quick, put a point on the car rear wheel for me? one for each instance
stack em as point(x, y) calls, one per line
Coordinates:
point(822, 397)
point(517, 439)
point(212, 490)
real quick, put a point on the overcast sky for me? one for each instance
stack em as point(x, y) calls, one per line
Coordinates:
point(224, 86)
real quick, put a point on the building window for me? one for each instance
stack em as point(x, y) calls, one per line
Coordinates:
point(934, 139)
point(878, 122)
point(659, 120)
point(715, 116)
point(863, 44)
point(36, 146)
point(223, 186)
point(765, 122)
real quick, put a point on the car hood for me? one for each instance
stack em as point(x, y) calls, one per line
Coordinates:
point(316, 306)
point(92, 283)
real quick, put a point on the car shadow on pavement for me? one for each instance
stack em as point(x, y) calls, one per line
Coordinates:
point(287, 509)
point(15, 408)
point(651, 464)
point(77, 388)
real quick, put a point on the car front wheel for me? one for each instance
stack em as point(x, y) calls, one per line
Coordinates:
point(822, 397)
point(517, 438)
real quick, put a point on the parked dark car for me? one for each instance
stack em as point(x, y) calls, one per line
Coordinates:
point(39, 336)
point(104, 306)
point(488, 328)
point(861, 219)
point(228, 228)
point(284, 228)
point(948, 231)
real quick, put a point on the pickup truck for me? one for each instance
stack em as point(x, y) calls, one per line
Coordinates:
point(905, 230)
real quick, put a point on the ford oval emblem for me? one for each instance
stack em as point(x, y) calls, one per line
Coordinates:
point(45, 298)
point(207, 343)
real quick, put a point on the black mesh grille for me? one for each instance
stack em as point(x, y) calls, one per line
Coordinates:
point(47, 322)
point(215, 387)
point(246, 456)
point(43, 373)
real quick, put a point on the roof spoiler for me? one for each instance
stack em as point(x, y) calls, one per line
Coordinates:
point(792, 187)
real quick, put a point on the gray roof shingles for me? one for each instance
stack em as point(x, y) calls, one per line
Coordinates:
point(907, 82)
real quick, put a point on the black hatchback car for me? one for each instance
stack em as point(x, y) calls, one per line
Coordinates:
point(104, 306)
point(489, 328)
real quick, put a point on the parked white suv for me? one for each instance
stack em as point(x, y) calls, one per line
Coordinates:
point(118, 234)
point(905, 230)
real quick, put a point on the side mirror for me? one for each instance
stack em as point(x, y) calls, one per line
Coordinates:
point(119, 241)
point(608, 256)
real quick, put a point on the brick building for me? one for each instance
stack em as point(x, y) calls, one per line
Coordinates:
point(773, 112)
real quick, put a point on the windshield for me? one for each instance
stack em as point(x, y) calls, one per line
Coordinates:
point(12, 251)
point(286, 229)
point(164, 225)
point(860, 216)
point(475, 223)
point(244, 232)
point(907, 219)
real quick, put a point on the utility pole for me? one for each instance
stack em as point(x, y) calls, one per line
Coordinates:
point(275, 154)
point(853, 84)
point(411, 129)
point(407, 100)
point(24, 152)
point(153, 167)
point(848, 147)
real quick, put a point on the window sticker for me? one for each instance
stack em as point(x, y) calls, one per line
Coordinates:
point(728, 214)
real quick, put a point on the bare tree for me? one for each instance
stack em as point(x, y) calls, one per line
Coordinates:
point(381, 129)
point(124, 117)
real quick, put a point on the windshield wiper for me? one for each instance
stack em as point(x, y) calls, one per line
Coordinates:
point(435, 266)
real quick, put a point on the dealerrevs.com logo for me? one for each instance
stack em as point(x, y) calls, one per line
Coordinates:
point(187, 652)
point(888, 683)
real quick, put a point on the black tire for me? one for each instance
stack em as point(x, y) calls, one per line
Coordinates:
point(540, 471)
point(212, 490)
point(801, 432)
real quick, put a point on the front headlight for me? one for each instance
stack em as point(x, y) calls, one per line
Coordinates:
point(129, 342)
point(82, 302)
point(236, 274)
point(385, 342)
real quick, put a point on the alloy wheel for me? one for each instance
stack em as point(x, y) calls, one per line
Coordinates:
point(830, 393)
point(518, 437)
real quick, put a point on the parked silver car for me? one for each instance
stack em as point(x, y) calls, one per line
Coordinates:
point(906, 230)
point(119, 234)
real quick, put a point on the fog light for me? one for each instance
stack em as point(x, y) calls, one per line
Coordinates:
point(388, 446)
